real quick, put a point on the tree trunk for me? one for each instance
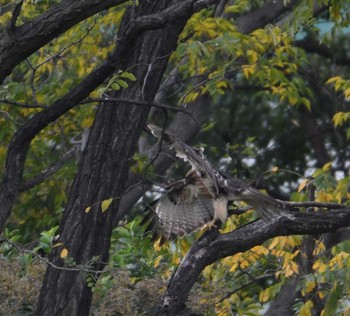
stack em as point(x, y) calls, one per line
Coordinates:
point(103, 169)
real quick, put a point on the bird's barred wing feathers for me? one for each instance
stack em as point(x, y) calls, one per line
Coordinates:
point(167, 220)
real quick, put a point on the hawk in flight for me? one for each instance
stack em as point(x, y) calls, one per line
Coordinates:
point(201, 198)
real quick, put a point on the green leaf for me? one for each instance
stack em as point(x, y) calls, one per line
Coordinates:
point(128, 75)
point(115, 86)
point(122, 83)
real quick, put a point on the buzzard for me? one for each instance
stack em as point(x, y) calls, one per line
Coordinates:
point(201, 198)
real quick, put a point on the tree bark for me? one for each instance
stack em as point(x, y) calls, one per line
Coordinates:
point(102, 172)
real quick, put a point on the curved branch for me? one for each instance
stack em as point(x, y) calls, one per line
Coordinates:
point(213, 246)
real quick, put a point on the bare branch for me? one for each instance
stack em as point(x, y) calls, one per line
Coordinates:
point(15, 14)
point(253, 280)
point(23, 105)
point(77, 267)
point(44, 175)
point(142, 103)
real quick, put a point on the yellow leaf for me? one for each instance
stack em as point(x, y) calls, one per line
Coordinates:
point(221, 84)
point(303, 184)
point(338, 118)
point(156, 262)
point(252, 56)
point(347, 93)
point(319, 266)
point(305, 310)
point(333, 79)
point(234, 267)
point(339, 197)
point(105, 204)
point(57, 245)
point(327, 166)
point(319, 248)
point(248, 70)
point(310, 286)
point(292, 99)
point(274, 169)
point(291, 268)
point(64, 253)
point(260, 250)
point(244, 264)
point(264, 295)
point(88, 209)
point(274, 243)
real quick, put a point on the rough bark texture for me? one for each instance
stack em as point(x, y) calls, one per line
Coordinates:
point(213, 246)
point(102, 172)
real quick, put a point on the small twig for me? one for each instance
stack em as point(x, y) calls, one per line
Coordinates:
point(6, 114)
point(313, 204)
point(77, 268)
point(142, 103)
point(23, 105)
point(15, 14)
point(254, 280)
point(6, 8)
point(41, 177)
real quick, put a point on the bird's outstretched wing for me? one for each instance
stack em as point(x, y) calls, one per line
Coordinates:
point(181, 211)
point(201, 197)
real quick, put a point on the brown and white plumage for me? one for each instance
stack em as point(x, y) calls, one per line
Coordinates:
point(201, 198)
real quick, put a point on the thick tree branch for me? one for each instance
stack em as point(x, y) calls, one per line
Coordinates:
point(17, 43)
point(270, 11)
point(214, 246)
point(314, 47)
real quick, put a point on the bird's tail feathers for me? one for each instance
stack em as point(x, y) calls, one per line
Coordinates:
point(266, 206)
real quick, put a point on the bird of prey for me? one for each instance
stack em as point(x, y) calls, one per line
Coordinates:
point(201, 198)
